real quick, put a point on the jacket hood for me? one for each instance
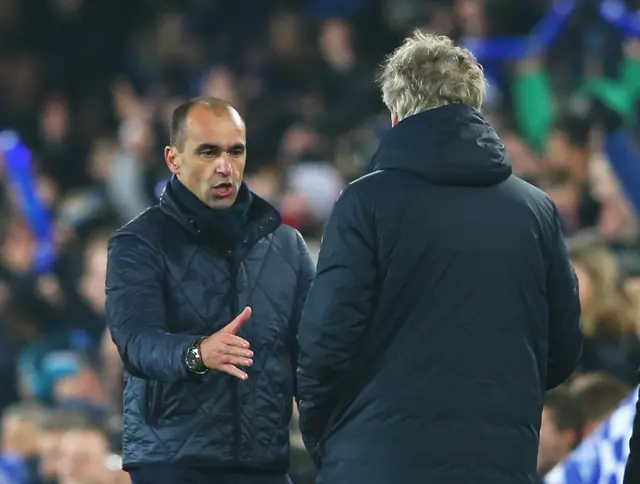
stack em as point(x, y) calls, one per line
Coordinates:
point(450, 145)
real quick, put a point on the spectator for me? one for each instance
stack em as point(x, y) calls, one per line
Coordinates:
point(89, 85)
point(609, 315)
point(20, 433)
point(560, 430)
point(598, 394)
point(53, 428)
point(84, 454)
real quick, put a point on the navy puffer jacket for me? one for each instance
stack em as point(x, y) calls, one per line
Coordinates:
point(167, 285)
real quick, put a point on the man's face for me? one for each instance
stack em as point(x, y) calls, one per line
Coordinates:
point(212, 160)
point(82, 457)
point(49, 452)
point(585, 284)
point(555, 444)
point(558, 150)
point(19, 435)
point(95, 272)
point(566, 198)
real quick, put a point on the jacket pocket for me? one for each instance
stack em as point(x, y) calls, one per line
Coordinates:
point(153, 406)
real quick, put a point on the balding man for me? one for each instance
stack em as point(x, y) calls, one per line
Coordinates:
point(204, 295)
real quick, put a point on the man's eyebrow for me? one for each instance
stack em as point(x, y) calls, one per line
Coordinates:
point(206, 147)
point(214, 147)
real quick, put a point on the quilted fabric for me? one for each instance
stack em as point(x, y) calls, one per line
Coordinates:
point(167, 285)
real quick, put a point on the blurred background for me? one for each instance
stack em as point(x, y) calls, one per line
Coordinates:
point(87, 88)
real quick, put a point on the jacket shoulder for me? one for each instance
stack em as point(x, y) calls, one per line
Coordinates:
point(149, 225)
point(536, 199)
point(287, 237)
point(371, 185)
point(370, 181)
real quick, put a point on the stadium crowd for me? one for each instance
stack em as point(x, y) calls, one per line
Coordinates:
point(90, 85)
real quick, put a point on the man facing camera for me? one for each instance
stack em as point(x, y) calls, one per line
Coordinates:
point(444, 304)
point(204, 295)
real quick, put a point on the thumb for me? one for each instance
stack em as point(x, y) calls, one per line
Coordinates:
point(239, 320)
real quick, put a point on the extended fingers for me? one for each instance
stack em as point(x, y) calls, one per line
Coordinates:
point(233, 340)
point(237, 360)
point(233, 371)
point(235, 351)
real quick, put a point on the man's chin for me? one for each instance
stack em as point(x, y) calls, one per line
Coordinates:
point(221, 203)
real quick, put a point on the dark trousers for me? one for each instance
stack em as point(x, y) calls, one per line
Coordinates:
point(170, 474)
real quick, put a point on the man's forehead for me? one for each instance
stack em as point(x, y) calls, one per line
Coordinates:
point(207, 126)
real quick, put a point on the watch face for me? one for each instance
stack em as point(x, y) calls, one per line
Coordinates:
point(193, 360)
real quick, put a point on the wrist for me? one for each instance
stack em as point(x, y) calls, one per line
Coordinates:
point(193, 358)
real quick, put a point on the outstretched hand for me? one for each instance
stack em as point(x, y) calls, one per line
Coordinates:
point(226, 351)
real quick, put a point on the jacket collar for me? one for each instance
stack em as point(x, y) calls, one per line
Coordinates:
point(262, 218)
point(449, 145)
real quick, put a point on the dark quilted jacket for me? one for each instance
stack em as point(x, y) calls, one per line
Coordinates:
point(167, 285)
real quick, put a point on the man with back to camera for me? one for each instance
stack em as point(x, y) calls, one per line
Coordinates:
point(444, 303)
point(204, 296)
point(632, 469)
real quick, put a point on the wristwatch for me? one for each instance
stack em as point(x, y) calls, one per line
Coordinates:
point(193, 358)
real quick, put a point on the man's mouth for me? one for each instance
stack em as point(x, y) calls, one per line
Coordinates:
point(223, 190)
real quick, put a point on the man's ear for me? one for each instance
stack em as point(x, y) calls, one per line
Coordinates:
point(571, 438)
point(172, 158)
point(589, 427)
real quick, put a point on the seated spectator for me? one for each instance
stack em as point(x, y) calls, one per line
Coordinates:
point(598, 395)
point(568, 149)
point(82, 391)
point(55, 425)
point(85, 457)
point(560, 429)
point(609, 315)
point(20, 433)
point(42, 363)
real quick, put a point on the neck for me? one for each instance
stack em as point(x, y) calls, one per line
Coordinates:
point(229, 222)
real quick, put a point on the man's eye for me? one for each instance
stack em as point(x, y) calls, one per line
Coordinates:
point(236, 152)
point(208, 153)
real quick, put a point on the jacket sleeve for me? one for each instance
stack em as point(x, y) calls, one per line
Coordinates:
point(632, 471)
point(135, 312)
point(533, 103)
point(334, 321)
point(565, 328)
point(306, 271)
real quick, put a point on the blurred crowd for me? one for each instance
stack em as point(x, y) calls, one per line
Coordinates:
point(90, 85)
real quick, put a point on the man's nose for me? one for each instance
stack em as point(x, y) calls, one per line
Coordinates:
point(224, 166)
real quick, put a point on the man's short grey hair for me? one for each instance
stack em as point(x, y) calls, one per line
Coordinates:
point(429, 71)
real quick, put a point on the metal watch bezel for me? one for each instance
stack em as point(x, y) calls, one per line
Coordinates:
point(193, 360)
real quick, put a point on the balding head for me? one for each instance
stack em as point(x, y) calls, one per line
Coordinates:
point(179, 118)
point(208, 150)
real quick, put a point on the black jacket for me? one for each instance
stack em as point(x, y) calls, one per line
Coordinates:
point(444, 306)
point(632, 472)
point(168, 283)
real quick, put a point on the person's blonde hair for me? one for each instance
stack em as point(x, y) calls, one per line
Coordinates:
point(610, 310)
point(429, 71)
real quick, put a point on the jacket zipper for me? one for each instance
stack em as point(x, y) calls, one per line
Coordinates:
point(153, 398)
point(234, 382)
